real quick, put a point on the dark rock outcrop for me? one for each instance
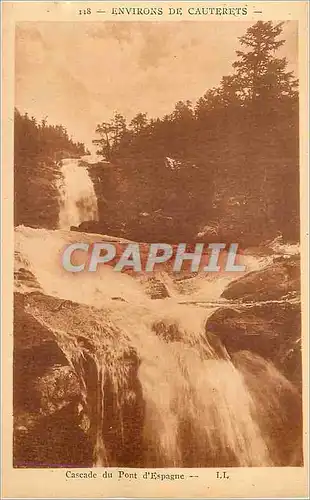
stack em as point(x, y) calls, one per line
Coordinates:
point(270, 330)
point(168, 332)
point(156, 289)
point(36, 193)
point(24, 277)
point(92, 226)
point(46, 398)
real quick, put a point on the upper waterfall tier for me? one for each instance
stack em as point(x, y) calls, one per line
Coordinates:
point(78, 200)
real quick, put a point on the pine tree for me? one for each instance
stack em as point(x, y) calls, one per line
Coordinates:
point(260, 75)
point(105, 131)
point(119, 129)
point(138, 123)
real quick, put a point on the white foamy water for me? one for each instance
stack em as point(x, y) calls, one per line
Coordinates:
point(77, 198)
point(281, 248)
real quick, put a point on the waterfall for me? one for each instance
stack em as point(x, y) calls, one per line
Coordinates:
point(78, 200)
point(157, 392)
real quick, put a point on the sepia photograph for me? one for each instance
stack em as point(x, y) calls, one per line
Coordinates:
point(157, 296)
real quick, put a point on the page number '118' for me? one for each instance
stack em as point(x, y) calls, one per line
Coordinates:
point(84, 12)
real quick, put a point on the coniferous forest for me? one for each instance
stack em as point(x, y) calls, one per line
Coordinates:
point(234, 172)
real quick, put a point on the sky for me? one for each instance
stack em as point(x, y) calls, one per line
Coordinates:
point(79, 74)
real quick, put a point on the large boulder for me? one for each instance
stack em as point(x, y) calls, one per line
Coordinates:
point(67, 359)
point(275, 281)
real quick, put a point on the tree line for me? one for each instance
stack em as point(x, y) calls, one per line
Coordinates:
point(260, 87)
point(35, 139)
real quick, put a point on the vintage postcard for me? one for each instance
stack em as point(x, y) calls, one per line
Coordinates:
point(155, 242)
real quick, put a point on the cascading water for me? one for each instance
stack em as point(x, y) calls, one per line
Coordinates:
point(78, 202)
point(156, 390)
